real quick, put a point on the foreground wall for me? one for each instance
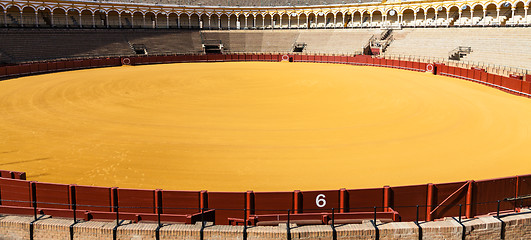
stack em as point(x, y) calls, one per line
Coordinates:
point(516, 226)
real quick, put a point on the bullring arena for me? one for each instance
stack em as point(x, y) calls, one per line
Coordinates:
point(265, 120)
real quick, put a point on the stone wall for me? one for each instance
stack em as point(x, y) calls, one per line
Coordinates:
point(510, 226)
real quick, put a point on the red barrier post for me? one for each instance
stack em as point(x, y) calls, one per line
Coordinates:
point(203, 199)
point(297, 203)
point(430, 201)
point(469, 199)
point(386, 198)
point(249, 203)
point(343, 200)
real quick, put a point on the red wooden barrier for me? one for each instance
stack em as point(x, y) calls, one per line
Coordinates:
point(498, 80)
point(93, 198)
point(12, 70)
point(181, 202)
point(15, 192)
point(524, 189)
point(34, 67)
point(320, 201)
point(528, 77)
point(343, 59)
point(255, 57)
point(405, 198)
point(52, 193)
point(3, 71)
point(416, 65)
point(136, 200)
point(69, 64)
point(487, 192)
point(276, 202)
point(526, 87)
point(226, 200)
point(363, 200)
point(449, 195)
point(424, 67)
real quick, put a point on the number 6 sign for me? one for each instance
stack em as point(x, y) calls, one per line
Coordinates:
point(320, 200)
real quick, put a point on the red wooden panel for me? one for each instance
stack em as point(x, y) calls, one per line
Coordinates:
point(24, 68)
point(343, 59)
point(254, 57)
point(249, 57)
point(384, 62)
point(320, 201)
point(78, 64)
point(34, 67)
point(416, 65)
point(95, 62)
point(490, 78)
point(311, 58)
point(406, 198)
point(5, 174)
point(12, 190)
point(273, 202)
point(297, 58)
point(181, 202)
point(43, 67)
point(524, 189)
point(69, 64)
point(498, 80)
point(337, 58)
point(450, 207)
point(443, 68)
point(234, 57)
point(409, 64)
point(483, 76)
point(50, 193)
point(457, 71)
point(487, 192)
point(93, 198)
point(363, 200)
point(423, 66)
point(19, 175)
point(527, 77)
point(3, 71)
point(403, 63)
point(12, 70)
point(229, 201)
point(136, 200)
point(526, 87)
point(60, 65)
point(515, 84)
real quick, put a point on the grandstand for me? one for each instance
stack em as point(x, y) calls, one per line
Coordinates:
point(482, 42)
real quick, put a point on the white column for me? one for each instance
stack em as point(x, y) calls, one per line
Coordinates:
point(179, 21)
point(107, 19)
point(51, 16)
point(484, 15)
point(512, 14)
point(132, 20)
point(335, 21)
point(80, 21)
point(425, 18)
point(93, 21)
point(37, 18)
point(497, 14)
point(246, 21)
point(414, 19)
point(189, 22)
point(228, 25)
point(5, 17)
point(21, 18)
point(460, 12)
point(154, 25)
point(254, 22)
point(307, 21)
point(298, 21)
point(289, 21)
point(120, 20)
point(471, 16)
point(447, 18)
point(280, 21)
point(167, 21)
point(209, 22)
point(436, 17)
point(143, 20)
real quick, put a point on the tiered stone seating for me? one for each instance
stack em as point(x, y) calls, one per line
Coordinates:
point(503, 46)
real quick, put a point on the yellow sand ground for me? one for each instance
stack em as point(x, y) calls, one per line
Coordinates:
point(260, 126)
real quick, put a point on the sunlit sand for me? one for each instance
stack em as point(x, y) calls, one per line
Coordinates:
point(259, 126)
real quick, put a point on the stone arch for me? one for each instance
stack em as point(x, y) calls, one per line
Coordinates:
point(275, 20)
point(293, 22)
point(113, 19)
point(214, 21)
point(391, 16)
point(312, 20)
point(126, 19)
point(72, 19)
point(222, 21)
point(150, 20)
point(259, 21)
point(321, 19)
point(268, 21)
point(13, 16)
point(240, 24)
point(303, 20)
point(376, 18)
point(329, 20)
point(430, 16)
point(408, 17)
point(233, 21)
point(173, 19)
point(28, 18)
point(59, 17)
point(137, 19)
point(162, 20)
point(339, 20)
point(356, 19)
point(194, 20)
point(86, 18)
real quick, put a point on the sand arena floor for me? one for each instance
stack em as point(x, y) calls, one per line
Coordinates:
point(260, 126)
